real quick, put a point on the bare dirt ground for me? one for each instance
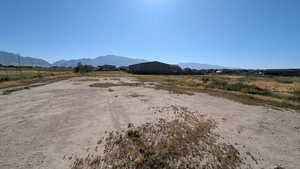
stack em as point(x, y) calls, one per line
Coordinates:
point(46, 127)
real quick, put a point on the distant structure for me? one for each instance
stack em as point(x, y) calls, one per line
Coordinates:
point(154, 68)
point(124, 68)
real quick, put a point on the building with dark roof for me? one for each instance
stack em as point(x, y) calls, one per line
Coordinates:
point(154, 68)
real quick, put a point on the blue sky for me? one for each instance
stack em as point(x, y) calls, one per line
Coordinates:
point(234, 33)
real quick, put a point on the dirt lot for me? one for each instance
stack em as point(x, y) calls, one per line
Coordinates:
point(47, 127)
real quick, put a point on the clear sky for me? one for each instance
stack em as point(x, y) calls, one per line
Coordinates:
point(234, 33)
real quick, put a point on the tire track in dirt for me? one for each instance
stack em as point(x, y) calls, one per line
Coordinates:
point(117, 111)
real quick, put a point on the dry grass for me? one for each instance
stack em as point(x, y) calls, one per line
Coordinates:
point(277, 91)
point(276, 86)
point(106, 85)
point(16, 78)
point(9, 91)
point(135, 95)
point(88, 80)
point(255, 90)
point(185, 141)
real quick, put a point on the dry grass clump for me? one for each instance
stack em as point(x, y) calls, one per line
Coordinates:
point(184, 142)
point(88, 80)
point(135, 95)
point(9, 91)
point(106, 85)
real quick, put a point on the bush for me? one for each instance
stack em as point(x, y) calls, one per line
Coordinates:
point(296, 93)
point(284, 81)
point(83, 68)
point(205, 79)
point(4, 79)
point(133, 133)
point(39, 75)
point(296, 96)
point(218, 84)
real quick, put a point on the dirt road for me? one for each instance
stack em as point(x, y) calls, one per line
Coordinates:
point(46, 127)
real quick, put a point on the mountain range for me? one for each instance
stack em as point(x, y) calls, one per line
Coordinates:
point(101, 60)
point(200, 66)
point(7, 58)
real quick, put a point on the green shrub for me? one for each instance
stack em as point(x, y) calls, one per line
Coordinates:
point(284, 81)
point(296, 96)
point(39, 75)
point(218, 84)
point(296, 93)
point(4, 79)
point(133, 133)
point(205, 79)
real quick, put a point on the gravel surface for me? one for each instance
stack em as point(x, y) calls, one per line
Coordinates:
point(47, 127)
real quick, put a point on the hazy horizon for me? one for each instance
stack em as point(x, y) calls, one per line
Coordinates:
point(233, 33)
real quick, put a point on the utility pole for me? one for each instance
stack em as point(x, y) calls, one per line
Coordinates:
point(19, 63)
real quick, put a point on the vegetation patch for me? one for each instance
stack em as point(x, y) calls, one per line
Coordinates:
point(251, 89)
point(9, 91)
point(4, 79)
point(83, 68)
point(296, 95)
point(88, 80)
point(284, 81)
point(174, 89)
point(11, 77)
point(185, 141)
point(106, 85)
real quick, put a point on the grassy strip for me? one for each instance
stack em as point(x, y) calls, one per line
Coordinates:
point(16, 75)
point(9, 91)
point(30, 84)
point(295, 96)
point(88, 80)
point(16, 83)
point(244, 88)
point(13, 78)
point(106, 85)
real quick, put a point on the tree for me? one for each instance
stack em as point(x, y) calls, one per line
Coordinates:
point(80, 68)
